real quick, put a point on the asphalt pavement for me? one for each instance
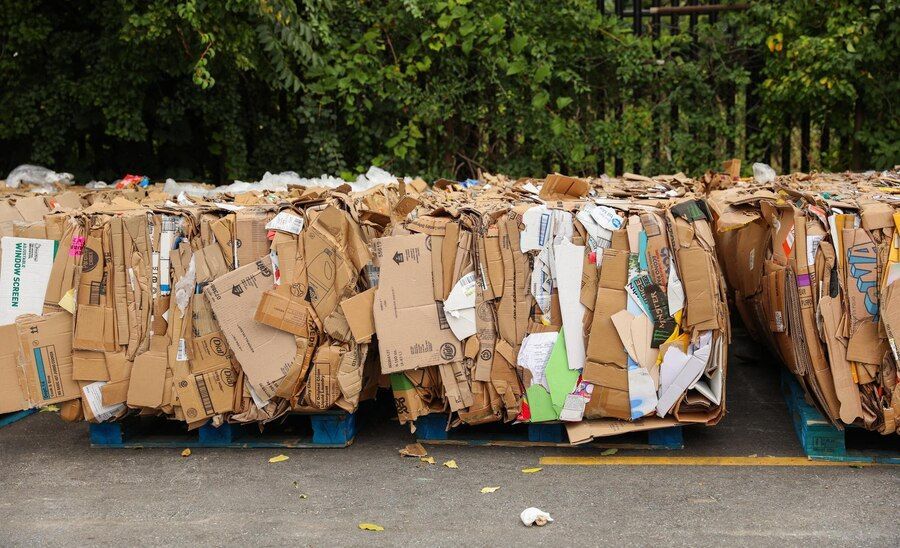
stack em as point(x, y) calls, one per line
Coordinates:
point(57, 490)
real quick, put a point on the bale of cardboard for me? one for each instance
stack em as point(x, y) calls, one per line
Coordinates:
point(813, 263)
point(214, 306)
point(596, 302)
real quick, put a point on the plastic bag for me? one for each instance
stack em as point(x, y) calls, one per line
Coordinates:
point(535, 516)
point(37, 175)
point(763, 173)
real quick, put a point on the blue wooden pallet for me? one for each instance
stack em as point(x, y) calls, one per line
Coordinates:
point(8, 418)
point(432, 429)
point(821, 440)
point(328, 429)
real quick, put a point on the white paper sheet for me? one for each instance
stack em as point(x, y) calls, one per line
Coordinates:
point(534, 354)
point(675, 289)
point(459, 308)
point(569, 264)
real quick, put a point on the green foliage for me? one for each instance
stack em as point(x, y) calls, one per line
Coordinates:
point(230, 89)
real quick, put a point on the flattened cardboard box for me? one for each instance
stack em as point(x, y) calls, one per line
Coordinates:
point(265, 353)
point(12, 381)
point(412, 332)
point(46, 343)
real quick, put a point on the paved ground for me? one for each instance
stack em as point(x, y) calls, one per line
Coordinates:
point(57, 490)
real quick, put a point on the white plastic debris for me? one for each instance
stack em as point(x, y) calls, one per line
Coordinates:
point(96, 184)
point(184, 287)
point(37, 175)
point(279, 182)
point(763, 173)
point(535, 516)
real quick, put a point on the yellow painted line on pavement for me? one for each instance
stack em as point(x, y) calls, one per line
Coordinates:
point(694, 461)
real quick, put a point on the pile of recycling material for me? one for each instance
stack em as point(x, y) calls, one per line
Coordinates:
point(813, 261)
point(598, 302)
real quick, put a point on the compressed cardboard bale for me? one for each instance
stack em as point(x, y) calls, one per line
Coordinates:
point(604, 303)
point(812, 270)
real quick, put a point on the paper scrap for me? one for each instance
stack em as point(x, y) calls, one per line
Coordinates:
point(279, 458)
point(489, 489)
point(560, 378)
point(94, 400)
point(534, 354)
point(679, 371)
point(286, 221)
point(459, 308)
point(414, 450)
point(675, 295)
point(68, 301)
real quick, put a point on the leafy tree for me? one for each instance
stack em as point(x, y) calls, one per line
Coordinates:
point(223, 90)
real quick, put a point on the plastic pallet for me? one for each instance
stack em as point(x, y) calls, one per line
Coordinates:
point(432, 429)
point(329, 429)
point(820, 439)
point(8, 418)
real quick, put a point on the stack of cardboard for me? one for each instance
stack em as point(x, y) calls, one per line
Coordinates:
point(812, 261)
point(563, 299)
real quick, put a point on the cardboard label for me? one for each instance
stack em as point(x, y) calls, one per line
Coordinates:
point(25, 266)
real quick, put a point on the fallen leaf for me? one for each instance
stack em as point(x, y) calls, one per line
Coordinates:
point(279, 458)
point(50, 409)
point(451, 464)
point(303, 497)
point(186, 453)
point(856, 466)
point(489, 489)
point(296, 484)
point(608, 452)
point(429, 460)
point(531, 470)
point(370, 527)
point(414, 450)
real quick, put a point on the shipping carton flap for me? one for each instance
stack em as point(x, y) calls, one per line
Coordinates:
point(359, 313)
point(560, 187)
point(13, 395)
point(412, 331)
point(265, 353)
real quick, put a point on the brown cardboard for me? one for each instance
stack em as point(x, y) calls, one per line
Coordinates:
point(410, 331)
point(146, 387)
point(323, 387)
point(265, 353)
point(46, 343)
point(284, 313)
point(13, 392)
point(586, 431)
point(250, 242)
point(359, 313)
point(560, 187)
